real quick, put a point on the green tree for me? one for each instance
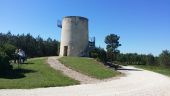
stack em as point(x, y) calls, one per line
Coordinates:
point(112, 42)
point(32, 46)
point(150, 60)
point(9, 49)
point(99, 54)
point(164, 58)
point(4, 62)
point(40, 46)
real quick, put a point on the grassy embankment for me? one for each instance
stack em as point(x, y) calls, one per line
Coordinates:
point(89, 67)
point(158, 69)
point(34, 74)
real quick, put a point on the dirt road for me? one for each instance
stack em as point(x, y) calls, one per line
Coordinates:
point(135, 83)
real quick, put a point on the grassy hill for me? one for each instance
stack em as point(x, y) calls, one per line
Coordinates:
point(89, 67)
point(34, 73)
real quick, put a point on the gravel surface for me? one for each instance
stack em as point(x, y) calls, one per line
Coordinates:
point(135, 83)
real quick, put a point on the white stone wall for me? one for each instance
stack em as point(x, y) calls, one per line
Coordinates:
point(74, 35)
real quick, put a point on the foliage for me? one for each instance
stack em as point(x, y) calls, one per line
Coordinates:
point(9, 49)
point(88, 66)
point(34, 73)
point(137, 59)
point(99, 54)
point(4, 62)
point(33, 47)
point(150, 60)
point(164, 58)
point(112, 42)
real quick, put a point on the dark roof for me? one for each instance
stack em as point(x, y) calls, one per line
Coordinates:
point(75, 17)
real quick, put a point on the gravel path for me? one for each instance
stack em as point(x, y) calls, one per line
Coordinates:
point(84, 79)
point(136, 83)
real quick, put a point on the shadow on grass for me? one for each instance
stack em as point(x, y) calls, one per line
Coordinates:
point(28, 63)
point(129, 69)
point(15, 73)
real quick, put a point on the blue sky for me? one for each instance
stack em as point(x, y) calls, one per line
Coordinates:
point(143, 25)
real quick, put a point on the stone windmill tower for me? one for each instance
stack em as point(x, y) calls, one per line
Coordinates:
point(74, 36)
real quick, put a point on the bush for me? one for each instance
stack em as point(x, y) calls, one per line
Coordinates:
point(150, 60)
point(99, 54)
point(9, 49)
point(164, 58)
point(4, 62)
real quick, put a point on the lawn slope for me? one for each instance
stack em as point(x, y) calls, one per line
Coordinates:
point(88, 66)
point(34, 74)
point(158, 69)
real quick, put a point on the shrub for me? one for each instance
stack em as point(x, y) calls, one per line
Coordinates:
point(164, 58)
point(4, 62)
point(150, 59)
point(99, 54)
point(9, 49)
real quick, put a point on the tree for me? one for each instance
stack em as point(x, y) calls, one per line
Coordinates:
point(150, 59)
point(40, 46)
point(4, 62)
point(9, 50)
point(33, 47)
point(99, 54)
point(164, 58)
point(112, 42)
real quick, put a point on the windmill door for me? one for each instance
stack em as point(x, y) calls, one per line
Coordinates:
point(65, 50)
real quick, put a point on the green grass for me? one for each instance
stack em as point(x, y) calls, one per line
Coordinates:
point(34, 74)
point(89, 67)
point(158, 69)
